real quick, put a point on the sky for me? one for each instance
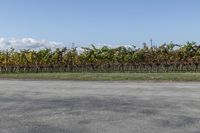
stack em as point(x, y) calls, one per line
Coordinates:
point(53, 23)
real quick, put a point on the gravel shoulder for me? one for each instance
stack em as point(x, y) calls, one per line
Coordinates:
point(99, 107)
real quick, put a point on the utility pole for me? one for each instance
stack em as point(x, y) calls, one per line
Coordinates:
point(151, 40)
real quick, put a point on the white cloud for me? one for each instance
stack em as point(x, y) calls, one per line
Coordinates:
point(28, 43)
point(34, 44)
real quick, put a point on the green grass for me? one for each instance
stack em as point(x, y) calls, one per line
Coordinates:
point(104, 76)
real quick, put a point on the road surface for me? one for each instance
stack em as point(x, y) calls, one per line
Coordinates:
point(99, 107)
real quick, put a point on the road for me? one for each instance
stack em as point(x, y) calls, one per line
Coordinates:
point(99, 107)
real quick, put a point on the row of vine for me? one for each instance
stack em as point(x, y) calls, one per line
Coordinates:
point(164, 58)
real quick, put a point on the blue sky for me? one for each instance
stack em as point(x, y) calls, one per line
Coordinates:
point(101, 21)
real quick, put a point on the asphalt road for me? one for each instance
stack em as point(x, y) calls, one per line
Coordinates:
point(99, 107)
